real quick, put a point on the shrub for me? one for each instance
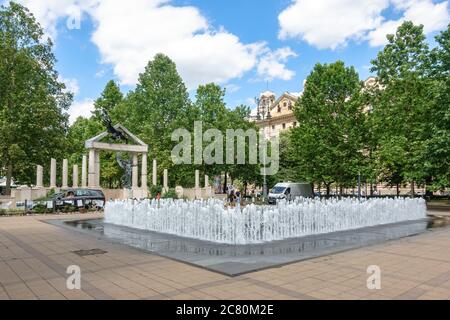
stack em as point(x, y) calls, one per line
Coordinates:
point(154, 190)
point(170, 194)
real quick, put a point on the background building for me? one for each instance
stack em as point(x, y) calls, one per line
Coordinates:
point(273, 115)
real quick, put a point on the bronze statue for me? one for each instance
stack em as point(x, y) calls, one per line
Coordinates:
point(116, 134)
point(126, 165)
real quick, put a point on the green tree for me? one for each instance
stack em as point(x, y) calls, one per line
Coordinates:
point(110, 98)
point(437, 155)
point(289, 165)
point(158, 106)
point(328, 140)
point(210, 109)
point(33, 122)
point(109, 104)
point(407, 118)
point(248, 174)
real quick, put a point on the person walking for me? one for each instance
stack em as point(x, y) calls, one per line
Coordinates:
point(238, 197)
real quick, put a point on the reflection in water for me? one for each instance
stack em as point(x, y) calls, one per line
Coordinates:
point(163, 244)
point(239, 259)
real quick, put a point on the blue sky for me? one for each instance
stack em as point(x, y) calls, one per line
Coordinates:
point(244, 45)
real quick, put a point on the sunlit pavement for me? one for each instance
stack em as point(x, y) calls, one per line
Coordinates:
point(34, 257)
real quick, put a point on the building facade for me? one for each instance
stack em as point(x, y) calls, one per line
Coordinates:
point(275, 115)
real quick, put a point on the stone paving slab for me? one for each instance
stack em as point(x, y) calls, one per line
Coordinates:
point(233, 260)
point(34, 257)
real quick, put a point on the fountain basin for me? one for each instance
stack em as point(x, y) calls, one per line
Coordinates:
point(210, 220)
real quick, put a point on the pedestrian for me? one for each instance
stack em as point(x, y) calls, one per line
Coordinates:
point(238, 197)
point(231, 197)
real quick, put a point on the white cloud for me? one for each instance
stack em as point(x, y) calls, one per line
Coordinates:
point(71, 85)
point(231, 88)
point(129, 34)
point(328, 24)
point(81, 109)
point(272, 65)
point(49, 12)
point(202, 55)
point(251, 102)
point(433, 16)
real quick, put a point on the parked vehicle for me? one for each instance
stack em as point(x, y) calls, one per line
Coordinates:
point(290, 191)
point(81, 198)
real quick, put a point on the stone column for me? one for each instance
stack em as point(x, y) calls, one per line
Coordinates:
point(97, 169)
point(197, 179)
point(166, 180)
point(53, 174)
point(144, 172)
point(91, 175)
point(155, 173)
point(75, 176)
point(135, 183)
point(65, 174)
point(39, 177)
point(206, 181)
point(84, 172)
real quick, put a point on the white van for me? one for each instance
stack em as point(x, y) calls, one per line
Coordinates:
point(290, 191)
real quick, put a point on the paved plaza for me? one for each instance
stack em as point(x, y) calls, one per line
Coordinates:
point(34, 257)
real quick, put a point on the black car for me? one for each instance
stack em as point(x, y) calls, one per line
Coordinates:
point(87, 198)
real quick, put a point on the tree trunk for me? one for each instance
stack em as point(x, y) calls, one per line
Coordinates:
point(328, 189)
point(225, 184)
point(412, 189)
point(8, 180)
point(371, 189)
point(398, 190)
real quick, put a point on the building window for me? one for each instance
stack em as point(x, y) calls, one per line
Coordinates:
point(285, 104)
point(284, 126)
point(290, 105)
point(273, 127)
point(279, 109)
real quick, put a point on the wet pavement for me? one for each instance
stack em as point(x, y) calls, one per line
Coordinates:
point(233, 260)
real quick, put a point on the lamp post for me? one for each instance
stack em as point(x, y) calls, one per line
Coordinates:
point(263, 113)
point(359, 185)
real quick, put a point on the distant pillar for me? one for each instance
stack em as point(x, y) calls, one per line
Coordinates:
point(39, 177)
point(53, 174)
point(65, 169)
point(155, 173)
point(91, 174)
point(135, 176)
point(97, 169)
point(144, 172)
point(197, 179)
point(206, 181)
point(75, 176)
point(166, 180)
point(84, 172)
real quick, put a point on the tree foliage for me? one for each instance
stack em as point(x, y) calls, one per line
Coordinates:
point(410, 109)
point(328, 139)
point(33, 121)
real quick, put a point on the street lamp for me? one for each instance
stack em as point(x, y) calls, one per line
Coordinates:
point(263, 113)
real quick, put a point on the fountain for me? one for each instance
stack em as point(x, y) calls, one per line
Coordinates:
point(210, 220)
